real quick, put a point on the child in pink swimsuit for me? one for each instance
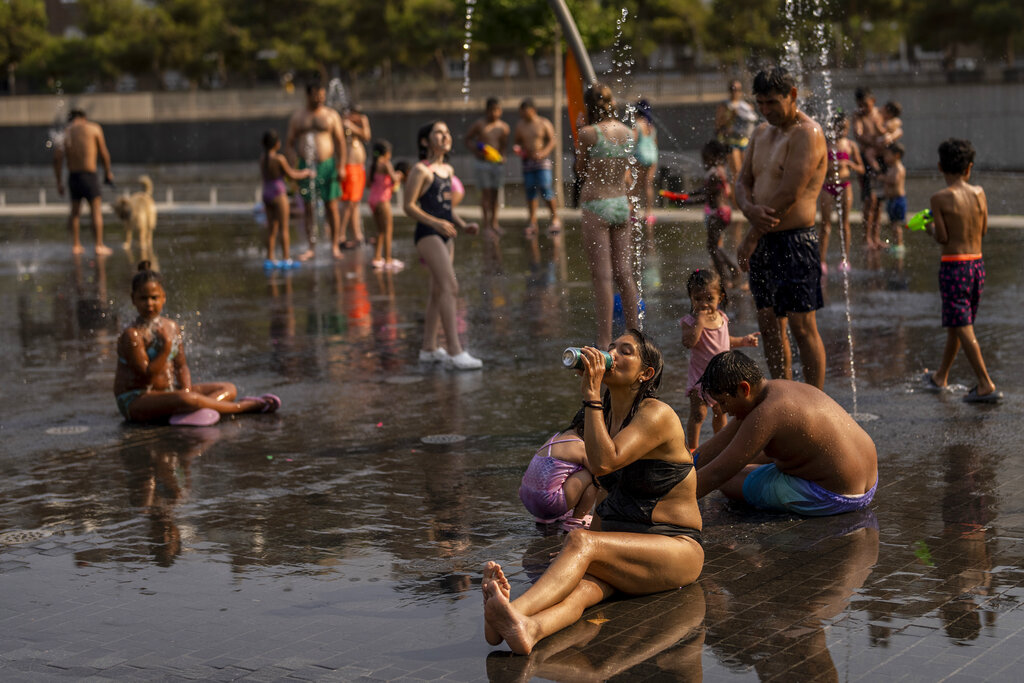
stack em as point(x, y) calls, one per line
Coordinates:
point(383, 177)
point(557, 484)
point(706, 334)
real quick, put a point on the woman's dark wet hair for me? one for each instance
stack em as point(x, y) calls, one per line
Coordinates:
point(423, 139)
point(725, 372)
point(955, 155)
point(774, 81)
point(650, 357)
point(643, 109)
point(707, 278)
point(599, 103)
point(578, 423)
point(145, 274)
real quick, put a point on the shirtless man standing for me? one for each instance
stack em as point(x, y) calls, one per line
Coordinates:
point(315, 132)
point(868, 129)
point(790, 448)
point(490, 131)
point(83, 142)
point(777, 191)
point(357, 135)
point(535, 139)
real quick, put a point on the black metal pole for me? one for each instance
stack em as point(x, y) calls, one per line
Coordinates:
point(572, 37)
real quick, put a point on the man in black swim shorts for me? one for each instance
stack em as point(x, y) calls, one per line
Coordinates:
point(777, 191)
point(82, 146)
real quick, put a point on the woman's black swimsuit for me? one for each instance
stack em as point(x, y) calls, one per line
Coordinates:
point(633, 492)
point(436, 201)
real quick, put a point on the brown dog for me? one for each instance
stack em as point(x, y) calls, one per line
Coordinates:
point(138, 211)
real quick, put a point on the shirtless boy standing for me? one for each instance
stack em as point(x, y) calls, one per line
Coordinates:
point(491, 131)
point(83, 142)
point(777, 190)
point(315, 133)
point(357, 134)
point(789, 448)
point(535, 139)
point(868, 130)
point(959, 222)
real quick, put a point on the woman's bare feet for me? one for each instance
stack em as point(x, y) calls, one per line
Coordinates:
point(306, 255)
point(518, 631)
point(494, 577)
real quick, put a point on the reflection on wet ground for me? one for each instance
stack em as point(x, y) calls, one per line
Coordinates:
point(333, 541)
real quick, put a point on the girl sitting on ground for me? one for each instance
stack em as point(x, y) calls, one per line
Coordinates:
point(153, 381)
point(557, 483)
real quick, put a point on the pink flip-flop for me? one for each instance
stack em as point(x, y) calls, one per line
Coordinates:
point(271, 403)
point(204, 417)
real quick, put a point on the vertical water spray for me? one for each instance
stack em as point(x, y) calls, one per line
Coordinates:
point(622, 63)
point(55, 136)
point(467, 44)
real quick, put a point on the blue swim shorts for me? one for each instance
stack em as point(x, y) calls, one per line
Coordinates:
point(769, 489)
point(897, 209)
point(538, 183)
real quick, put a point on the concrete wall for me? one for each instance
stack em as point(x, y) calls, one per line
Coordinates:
point(169, 128)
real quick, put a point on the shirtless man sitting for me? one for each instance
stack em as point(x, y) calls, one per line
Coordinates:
point(356, 126)
point(315, 134)
point(789, 448)
point(83, 142)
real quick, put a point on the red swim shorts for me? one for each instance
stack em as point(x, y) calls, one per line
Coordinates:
point(354, 184)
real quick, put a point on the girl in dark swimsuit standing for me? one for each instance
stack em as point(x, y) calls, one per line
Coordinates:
point(645, 537)
point(428, 200)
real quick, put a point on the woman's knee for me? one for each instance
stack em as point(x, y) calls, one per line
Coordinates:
point(579, 542)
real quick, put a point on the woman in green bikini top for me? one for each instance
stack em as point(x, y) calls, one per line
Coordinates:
point(606, 148)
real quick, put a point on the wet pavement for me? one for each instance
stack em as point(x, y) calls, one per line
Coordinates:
point(336, 541)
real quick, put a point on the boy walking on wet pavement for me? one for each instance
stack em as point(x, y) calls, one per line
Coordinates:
point(486, 139)
point(959, 222)
point(83, 142)
point(356, 127)
point(777, 190)
point(790, 448)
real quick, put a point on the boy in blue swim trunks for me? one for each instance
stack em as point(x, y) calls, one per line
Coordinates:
point(790, 448)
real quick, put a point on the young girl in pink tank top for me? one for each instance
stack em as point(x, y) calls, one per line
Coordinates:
point(706, 334)
point(557, 484)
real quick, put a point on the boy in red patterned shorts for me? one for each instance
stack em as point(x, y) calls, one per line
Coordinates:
point(960, 221)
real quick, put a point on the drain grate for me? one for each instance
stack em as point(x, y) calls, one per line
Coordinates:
point(67, 430)
point(21, 536)
point(441, 439)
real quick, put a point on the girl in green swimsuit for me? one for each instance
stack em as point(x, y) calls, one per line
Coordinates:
point(153, 381)
point(605, 146)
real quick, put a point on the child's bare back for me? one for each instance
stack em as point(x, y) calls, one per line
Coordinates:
point(960, 213)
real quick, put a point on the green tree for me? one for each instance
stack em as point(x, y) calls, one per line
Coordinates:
point(743, 33)
point(998, 24)
point(22, 32)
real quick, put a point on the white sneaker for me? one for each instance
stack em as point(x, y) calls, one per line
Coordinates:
point(464, 361)
point(438, 355)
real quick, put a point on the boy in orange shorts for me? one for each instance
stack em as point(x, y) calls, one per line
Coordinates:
point(357, 134)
